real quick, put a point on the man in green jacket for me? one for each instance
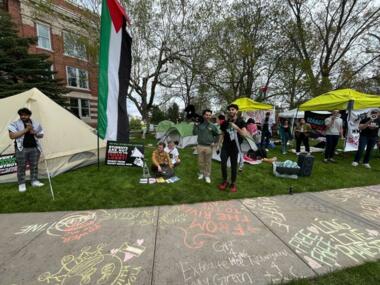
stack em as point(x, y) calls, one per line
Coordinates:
point(208, 136)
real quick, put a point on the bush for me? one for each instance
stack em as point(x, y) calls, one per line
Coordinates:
point(135, 124)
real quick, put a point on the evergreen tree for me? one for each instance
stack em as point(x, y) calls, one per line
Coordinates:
point(21, 71)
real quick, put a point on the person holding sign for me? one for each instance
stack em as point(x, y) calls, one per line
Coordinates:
point(26, 133)
point(369, 128)
point(161, 163)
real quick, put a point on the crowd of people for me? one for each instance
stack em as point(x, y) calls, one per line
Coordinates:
point(225, 135)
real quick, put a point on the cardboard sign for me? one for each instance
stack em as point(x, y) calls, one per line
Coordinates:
point(124, 154)
point(8, 164)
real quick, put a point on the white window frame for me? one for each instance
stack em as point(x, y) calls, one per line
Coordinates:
point(79, 100)
point(77, 77)
point(70, 55)
point(38, 36)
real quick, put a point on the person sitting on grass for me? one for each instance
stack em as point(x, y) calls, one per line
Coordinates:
point(161, 163)
point(172, 150)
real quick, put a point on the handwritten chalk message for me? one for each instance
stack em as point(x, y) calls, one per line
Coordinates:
point(211, 219)
point(78, 225)
point(325, 241)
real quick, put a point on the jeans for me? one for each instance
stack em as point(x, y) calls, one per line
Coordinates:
point(31, 155)
point(331, 143)
point(305, 140)
point(265, 137)
point(284, 141)
point(233, 154)
point(368, 143)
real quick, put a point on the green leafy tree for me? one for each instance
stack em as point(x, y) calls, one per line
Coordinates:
point(21, 71)
point(157, 115)
point(173, 113)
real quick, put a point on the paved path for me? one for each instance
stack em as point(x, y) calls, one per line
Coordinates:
point(250, 241)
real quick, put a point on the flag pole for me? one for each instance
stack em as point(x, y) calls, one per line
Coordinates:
point(97, 146)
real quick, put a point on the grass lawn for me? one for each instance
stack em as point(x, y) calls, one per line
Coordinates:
point(366, 274)
point(118, 187)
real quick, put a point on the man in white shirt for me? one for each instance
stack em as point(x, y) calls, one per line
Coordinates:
point(334, 130)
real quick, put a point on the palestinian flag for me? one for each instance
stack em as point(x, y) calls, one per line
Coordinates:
point(114, 73)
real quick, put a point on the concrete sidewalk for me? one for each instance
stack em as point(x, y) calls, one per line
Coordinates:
point(250, 241)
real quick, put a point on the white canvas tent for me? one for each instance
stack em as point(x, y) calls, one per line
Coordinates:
point(68, 142)
point(292, 114)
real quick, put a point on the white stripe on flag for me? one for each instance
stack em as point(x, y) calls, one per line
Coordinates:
point(113, 83)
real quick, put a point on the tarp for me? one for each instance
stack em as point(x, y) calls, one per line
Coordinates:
point(162, 127)
point(339, 99)
point(68, 142)
point(247, 104)
point(292, 114)
point(181, 133)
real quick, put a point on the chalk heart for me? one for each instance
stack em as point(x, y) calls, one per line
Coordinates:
point(140, 241)
point(114, 251)
point(313, 230)
point(128, 256)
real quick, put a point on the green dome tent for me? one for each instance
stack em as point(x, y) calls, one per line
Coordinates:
point(162, 127)
point(181, 133)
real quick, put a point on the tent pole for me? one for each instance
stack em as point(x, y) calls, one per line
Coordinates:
point(294, 119)
point(6, 148)
point(350, 107)
point(97, 148)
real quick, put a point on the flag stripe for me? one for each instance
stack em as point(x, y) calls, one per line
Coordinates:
point(113, 83)
point(103, 70)
point(124, 76)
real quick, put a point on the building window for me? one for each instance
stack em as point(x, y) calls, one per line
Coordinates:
point(80, 107)
point(43, 34)
point(73, 46)
point(77, 77)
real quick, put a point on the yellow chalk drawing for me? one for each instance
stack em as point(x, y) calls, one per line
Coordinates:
point(98, 266)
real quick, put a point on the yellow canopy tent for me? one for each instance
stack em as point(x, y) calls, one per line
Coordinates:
point(340, 99)
point(247, 104)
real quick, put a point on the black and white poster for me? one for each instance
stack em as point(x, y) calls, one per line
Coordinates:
point(124, 154)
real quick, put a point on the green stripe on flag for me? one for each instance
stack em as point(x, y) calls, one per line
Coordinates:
point(105, 33)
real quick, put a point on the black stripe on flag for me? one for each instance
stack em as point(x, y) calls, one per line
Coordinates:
point(124, 76)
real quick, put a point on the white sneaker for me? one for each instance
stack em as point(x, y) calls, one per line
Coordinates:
point(200, 176)
point(207, 179)
point(366, 165)
point(22, 188)
point(355, 163)
point(37, 183)
point(297, 153)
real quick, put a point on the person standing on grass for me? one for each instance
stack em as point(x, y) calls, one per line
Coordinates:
point(26, 133)
point(233, 131)
point(208, 135)
point(285, 134)
point(266, 130)
point(369, 128)
point(334, 130)
point(302, 132)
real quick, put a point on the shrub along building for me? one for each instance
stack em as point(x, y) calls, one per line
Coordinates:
point(55, 25)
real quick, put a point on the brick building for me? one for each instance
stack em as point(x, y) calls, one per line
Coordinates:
point(59, 38)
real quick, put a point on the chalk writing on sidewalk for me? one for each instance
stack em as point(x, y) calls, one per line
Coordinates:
point(369, 202)
point(324, 242)
point(231, 265)
point(75, 226)
point(268, 209)
point(97, 266)
point(209, 220)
